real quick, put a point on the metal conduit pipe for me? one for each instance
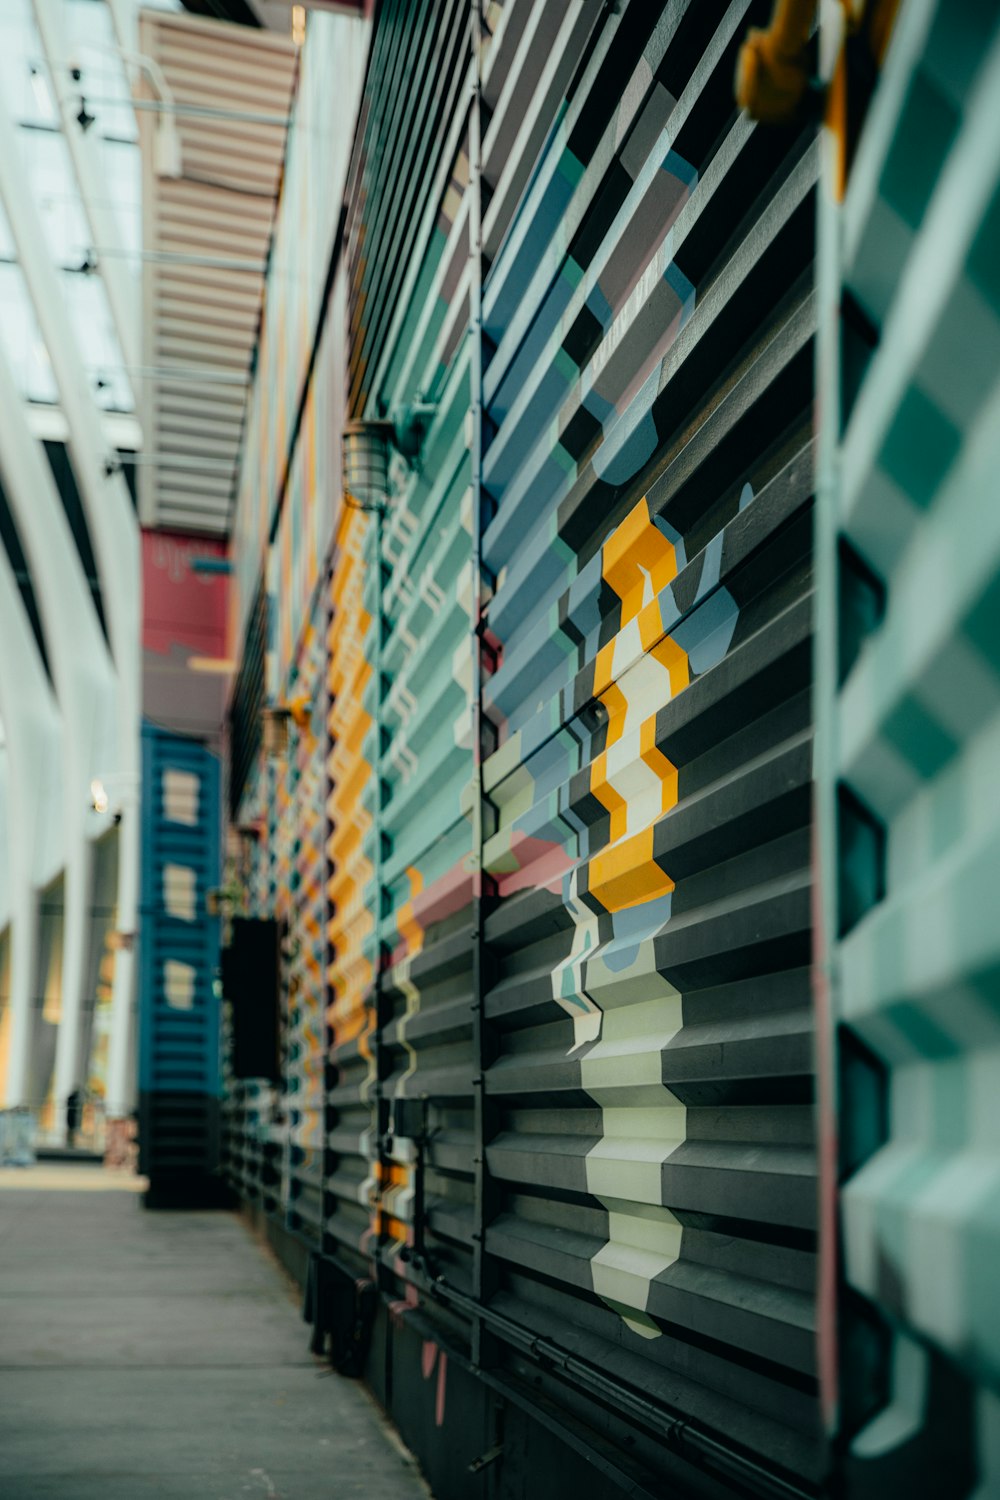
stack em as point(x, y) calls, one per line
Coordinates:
point(478, 646)
point(365, 483)
point(676, 1432)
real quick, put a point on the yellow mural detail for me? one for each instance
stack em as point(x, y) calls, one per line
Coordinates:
point(625, 1017)
point(637, 557)
point(634, 675)
point(409, 928)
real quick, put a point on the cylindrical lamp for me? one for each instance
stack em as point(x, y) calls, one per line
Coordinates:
point(366, 462)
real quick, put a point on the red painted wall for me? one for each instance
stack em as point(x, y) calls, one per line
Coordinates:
point(183, 617)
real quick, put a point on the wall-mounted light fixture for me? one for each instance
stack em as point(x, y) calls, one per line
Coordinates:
point(366, 463)
point(367, 447)
point(274, 725)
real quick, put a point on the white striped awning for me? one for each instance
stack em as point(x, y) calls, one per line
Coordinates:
point(206, 234)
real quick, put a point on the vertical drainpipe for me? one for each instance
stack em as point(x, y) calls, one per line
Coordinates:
point(824, 861)
point(481, 1057)
point(374, 503)
point(377, 987)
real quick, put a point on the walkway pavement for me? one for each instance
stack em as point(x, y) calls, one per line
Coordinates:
point(162, 1354)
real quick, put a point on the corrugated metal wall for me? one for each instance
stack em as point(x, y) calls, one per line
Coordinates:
point(578, 1085)
point(909, 707)
point(542, 840)
point(647, 1007)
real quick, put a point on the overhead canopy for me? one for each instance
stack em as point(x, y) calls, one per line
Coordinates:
point(222, 125)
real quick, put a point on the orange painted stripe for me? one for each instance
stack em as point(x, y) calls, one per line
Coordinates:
point(637, 551)
point(625, 874)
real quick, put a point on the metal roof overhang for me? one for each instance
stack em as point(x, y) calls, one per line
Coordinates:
point(206, 235)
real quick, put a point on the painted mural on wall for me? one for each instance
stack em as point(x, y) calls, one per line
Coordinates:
point(643, 981)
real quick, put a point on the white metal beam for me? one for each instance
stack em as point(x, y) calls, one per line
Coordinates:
point(4, 839)
point(114, 535)
point(85, 689)
point(35, 845)
point(122, 289)
point(124, 14)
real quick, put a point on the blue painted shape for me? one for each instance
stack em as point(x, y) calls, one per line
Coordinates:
point(632, 440)
point(681, 169)
point(598, 304)
point(506, 455)
point(537, 573)
point(583, 606)
point(633, 926)
point(711, 568)
point(707, 633)
point(541, 484)
point(684, 289)
point(513, 272)
point(525, 362)
point(600, 408)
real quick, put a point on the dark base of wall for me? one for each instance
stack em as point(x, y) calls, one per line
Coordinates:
point(68, 1153)
point(169, 1190)
point(290, 1251)
point(179, 1150)
point(472, 1439)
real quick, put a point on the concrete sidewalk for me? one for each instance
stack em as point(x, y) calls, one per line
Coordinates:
point(162, 1354)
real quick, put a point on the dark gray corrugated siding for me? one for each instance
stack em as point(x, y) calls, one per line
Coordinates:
point(569, 1098)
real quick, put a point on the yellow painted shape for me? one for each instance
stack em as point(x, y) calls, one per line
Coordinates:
point(604, 669)
point(637, 552)
point(674, 658)
point(608, 796)
point(407, 925)
point(659, 764)
point(616, 703)
point(625, 874)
